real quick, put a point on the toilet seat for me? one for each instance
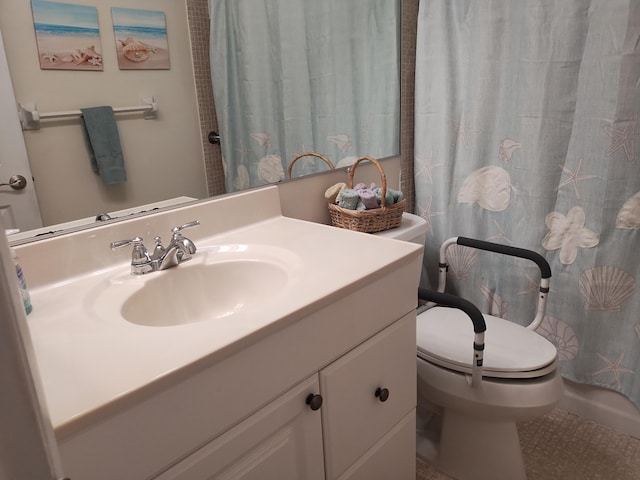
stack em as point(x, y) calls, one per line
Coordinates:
point(445, 337)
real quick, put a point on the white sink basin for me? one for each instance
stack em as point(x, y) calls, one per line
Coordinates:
point(232, 282)
point(204, 292)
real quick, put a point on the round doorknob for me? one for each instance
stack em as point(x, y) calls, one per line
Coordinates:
point(17, 182)
point(314, 401)
point(382, 394)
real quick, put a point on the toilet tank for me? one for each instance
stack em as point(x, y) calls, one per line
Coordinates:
point(412, 229)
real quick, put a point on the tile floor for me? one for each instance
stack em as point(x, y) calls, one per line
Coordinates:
point(562, 446)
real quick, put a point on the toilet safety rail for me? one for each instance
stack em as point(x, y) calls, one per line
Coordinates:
point(543, 265)
point(469, 308)
point(479, 325)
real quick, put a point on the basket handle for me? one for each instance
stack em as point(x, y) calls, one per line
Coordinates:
point(383, 177)
point(307, 154)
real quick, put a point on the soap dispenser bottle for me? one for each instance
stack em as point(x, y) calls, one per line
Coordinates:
point(22, 283)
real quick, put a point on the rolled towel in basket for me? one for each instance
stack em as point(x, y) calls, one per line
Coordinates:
point(392, 196)
point(348, 198)
point(388, 199)
point(368, 198)
point(397, 195)
point(331, 194)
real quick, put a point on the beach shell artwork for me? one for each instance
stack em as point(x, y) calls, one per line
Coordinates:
point(561, 335)
point(342, 141)
point(263, 139)
point(242, 182)
point(489, 187)
point(507, 147)
point(270, 169)
point(67, 35)
point(629, 215)
point(461, 259)
point(137, 51)
point(606, 287)
point(141, 39)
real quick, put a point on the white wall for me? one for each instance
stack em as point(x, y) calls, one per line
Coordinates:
point(162, 155)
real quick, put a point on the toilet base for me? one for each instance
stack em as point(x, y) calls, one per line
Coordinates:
point(478, 437)
point(472, 448)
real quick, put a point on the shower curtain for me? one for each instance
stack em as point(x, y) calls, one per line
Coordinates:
point(291, 76)
point(527, 133)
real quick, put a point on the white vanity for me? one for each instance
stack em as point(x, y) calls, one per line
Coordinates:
point(309, 373)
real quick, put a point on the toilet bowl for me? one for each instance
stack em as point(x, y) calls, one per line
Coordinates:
point(477, 391)
point(478, 436)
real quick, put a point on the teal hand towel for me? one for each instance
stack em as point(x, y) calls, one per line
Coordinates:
point(103, 141)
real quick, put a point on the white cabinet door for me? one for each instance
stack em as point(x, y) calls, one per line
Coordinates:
point(281, 441)
point(392, 457)
point(354, 416)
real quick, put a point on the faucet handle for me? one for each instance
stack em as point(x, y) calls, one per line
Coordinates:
point(194, 223)
point(123, 243)
point(178, 238)
point(140, 259)
point(158, 249)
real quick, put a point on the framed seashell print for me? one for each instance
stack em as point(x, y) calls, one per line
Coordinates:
point(141, 39)
point(67, 35)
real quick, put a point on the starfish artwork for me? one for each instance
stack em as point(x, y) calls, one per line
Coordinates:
point(500, 235)
point(427, 214)
point(463, 134)
point(52, 57)
point(573, 178)
point(426, 166)
point(615, 367)
point(623, 139)
point(67, 36)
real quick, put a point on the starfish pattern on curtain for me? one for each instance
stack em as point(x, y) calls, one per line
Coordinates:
point(530, 111)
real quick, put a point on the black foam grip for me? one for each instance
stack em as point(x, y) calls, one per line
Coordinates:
point(450, 300)
point(542, 263)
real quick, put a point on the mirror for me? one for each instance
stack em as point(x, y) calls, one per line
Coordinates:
point(168, 157)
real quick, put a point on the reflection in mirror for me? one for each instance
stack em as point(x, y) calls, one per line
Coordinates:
point(310, 76)
point(169, 157)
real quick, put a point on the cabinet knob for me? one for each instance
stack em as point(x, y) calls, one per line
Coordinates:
point(314, 401)
point(382, 394)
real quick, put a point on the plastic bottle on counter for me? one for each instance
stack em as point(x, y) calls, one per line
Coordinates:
point(22, 283)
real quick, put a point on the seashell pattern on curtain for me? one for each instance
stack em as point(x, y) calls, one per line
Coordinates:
point(527, 134)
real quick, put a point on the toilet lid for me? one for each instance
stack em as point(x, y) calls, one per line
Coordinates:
point(445, 337)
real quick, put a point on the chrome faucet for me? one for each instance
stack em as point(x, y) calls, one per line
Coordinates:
point(180, 249)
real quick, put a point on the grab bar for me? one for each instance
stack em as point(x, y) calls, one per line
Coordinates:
point(30, 116)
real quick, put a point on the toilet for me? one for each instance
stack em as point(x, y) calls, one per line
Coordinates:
point(472, 393)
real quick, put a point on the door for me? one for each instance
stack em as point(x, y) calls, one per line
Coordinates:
point(367, 392)
point(18, 207)
point(281, 441)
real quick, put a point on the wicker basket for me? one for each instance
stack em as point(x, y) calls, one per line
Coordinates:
point(309, 154)
point(368, 221)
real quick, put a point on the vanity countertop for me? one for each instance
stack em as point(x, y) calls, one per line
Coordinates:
point(87, 359)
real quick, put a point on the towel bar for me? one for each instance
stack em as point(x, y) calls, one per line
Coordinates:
point(30, 116)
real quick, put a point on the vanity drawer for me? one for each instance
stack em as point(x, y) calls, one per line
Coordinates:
point(353, 417)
